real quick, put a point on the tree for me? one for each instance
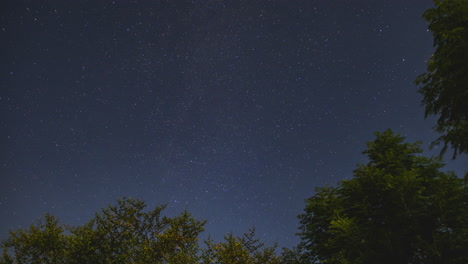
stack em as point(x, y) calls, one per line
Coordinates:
point(445, 84)
point(119, 234)
point(398, 208)
point(41, 243)
point(239, 250)
point(296, 255)
point(127, 233)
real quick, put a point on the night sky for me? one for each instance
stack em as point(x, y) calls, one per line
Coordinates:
point(233, 110)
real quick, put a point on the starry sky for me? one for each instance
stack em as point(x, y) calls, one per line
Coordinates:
point(233, 110)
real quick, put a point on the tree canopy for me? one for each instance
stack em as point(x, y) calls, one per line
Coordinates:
point(398, 208)
point(445, 84)
point(126, 233)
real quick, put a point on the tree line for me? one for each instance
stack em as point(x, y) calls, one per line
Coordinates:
point(399, 207)
point(128, 233)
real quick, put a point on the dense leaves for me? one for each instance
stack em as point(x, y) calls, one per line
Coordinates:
point(398, 208)
point(445, 84)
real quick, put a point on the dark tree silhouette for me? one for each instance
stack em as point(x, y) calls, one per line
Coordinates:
point(445, 84)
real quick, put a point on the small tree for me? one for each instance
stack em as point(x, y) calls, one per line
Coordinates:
point(43, 242)
point(239, 250)
point(398, 208)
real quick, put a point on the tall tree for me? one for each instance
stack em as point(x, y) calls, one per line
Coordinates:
point(445, 84)
point(398, 208)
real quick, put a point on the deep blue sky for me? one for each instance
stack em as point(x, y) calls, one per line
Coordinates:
point(234, 110)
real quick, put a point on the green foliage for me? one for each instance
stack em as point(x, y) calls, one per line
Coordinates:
point(127, 234)
point(119, 234)
point(41, 243)
point(239, 250)
point(300, 254)
point(445, 84)
point(398, 208)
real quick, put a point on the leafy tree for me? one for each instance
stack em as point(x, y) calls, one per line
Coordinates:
point(398, 208)
point(127, 234)
point(119, 234)
point(239, 250)
point(41, 243)
point(445, 84)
